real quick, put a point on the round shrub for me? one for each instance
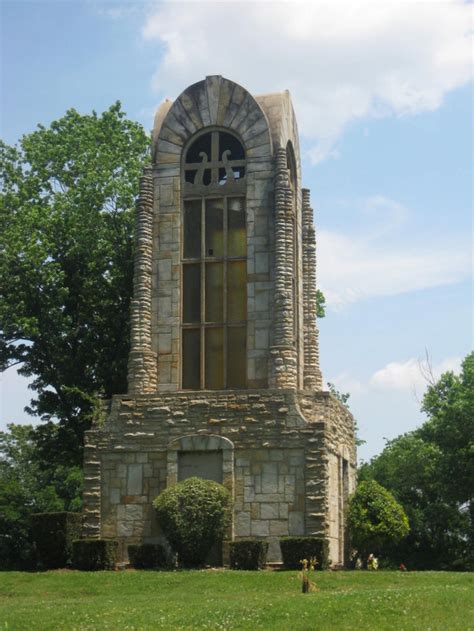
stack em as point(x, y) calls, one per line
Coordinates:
point(193, 515)
point(376, 520)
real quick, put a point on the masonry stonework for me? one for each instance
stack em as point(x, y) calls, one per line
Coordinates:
point(282, 446)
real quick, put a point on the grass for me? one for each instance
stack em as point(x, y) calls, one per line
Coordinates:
point(223, 599)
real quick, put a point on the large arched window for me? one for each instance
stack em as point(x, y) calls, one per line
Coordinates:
point(214, 264)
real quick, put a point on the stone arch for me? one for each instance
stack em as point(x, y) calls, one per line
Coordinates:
point(214, 101)
point(202, 443)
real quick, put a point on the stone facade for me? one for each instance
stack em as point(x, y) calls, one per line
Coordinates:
point(283, 446)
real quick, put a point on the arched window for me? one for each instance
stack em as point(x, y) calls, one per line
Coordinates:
point(214, 264)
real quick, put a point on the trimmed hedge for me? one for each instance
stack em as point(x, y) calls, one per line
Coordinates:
point(94, 554)
point(53, 534)
point(294, 549)
point(250, 554)
point(147, 556)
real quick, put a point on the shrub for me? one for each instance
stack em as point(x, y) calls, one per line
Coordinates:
point(193, 515)
point(294, 549)
point(94, 554)
point(146, 556)
point(54, 534)
point(376, 520)
point(250, 554)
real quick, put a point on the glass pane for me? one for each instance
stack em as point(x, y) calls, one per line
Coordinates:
point(192, 293)
point(214, 359)
point(189, 175)
point(214, 228)
point(206, 178)
point(237, 357)
point(214, 292)
point(192, 229)
point(236, 236)
point(201, 145)
point(229, 143)
point(191, 359)
point(236, 291)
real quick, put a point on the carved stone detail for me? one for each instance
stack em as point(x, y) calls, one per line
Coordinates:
point(312, 378)
point(283, 352)
point(142, 365)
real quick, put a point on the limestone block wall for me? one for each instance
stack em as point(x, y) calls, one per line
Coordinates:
point(214, 103)
point(278, 241)
point(279, 474)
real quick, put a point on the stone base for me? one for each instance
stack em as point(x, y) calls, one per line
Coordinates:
point(278, 453)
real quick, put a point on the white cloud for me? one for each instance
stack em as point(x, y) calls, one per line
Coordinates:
point(411, 374)
point(367, 263)
point(342, 61)
point(352, 268)
point(344, 382)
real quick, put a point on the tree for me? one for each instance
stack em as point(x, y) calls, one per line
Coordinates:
point(27, 487)
point(320, 304)
point(449, 404)
point(193, 515)
point(66, 223)
point(430, 472)
point(376, 521)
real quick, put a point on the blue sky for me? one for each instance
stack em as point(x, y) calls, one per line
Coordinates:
point(383, 96)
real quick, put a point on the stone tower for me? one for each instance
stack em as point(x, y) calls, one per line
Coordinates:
point(224, 377)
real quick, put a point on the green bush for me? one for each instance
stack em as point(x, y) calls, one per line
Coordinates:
point(294, 549)
point(94, 554)
point(53, 534)
point(147, 556)
point(376, 520)
point(250, 554)
point(193, 515)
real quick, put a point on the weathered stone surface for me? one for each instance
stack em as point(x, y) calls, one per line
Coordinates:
point(286, 448)
point(135, 479)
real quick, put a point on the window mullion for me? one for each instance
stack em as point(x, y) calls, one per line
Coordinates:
point(215, 157)
point(203, 292)
point(224, 337)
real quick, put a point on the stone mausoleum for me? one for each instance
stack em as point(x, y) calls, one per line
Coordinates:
point(224, 379)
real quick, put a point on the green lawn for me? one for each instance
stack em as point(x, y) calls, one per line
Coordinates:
point(218, 599)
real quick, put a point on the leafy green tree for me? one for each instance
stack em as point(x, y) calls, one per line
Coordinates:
point(193, 515)
point(449, 404)
point(27, 487)
point(66, 224)
point(430, 472)
point(376, 521)
point(409, 467)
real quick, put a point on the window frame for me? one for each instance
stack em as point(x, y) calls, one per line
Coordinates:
point(203, 194)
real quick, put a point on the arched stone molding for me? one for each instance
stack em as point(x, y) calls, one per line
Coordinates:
point(202, 442)
point(284, 129)
point(213, 102)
